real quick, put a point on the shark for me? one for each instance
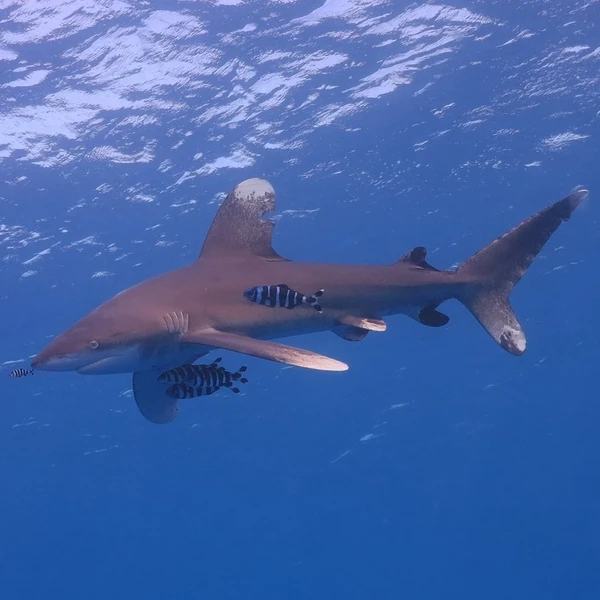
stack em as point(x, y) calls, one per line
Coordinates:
point(179, 316)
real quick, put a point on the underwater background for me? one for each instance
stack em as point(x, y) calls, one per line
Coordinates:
point(438, 466)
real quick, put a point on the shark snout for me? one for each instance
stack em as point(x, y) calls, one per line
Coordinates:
point(36, 362)
point(49, 361)
point(41, 364)
point(89, 359)
point(82, 363)
point(60, 355)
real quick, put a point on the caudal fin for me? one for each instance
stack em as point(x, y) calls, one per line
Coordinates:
point(314, 300)
point(492, 273)
point(237, 376)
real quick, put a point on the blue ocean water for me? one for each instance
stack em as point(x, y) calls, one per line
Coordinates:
point(438, 466)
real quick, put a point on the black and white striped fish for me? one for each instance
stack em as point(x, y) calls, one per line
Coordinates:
point(282, 296)
point(205, 381)
point(183, 390)
point(20, 372)
point(204, 376)
point(189, 373)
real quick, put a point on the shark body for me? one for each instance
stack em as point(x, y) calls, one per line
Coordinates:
point(180, 316)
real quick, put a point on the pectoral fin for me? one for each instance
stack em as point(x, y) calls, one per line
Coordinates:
point(151, 399)
point(261, 349)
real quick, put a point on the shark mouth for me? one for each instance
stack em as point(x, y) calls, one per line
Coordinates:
point(123, 360)
point(106, 366)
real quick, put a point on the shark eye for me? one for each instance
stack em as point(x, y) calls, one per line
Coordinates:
point(93, 344)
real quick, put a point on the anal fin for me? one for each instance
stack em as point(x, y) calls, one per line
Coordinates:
point(350, 333)
point(432, 318)
point(262, 349)
point(151, 399)
point(364, 323)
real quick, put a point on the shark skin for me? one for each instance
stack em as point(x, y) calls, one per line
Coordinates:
point(182, 315)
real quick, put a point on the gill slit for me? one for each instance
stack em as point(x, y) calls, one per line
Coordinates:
point(176, 322)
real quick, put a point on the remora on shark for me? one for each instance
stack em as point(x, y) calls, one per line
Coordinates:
point(177, 317)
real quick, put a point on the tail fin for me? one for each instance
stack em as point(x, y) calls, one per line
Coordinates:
point(497, 268)
point(313, 300)
point(238, 375)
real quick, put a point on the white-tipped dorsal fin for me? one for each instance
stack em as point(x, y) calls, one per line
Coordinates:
point(261, 349)
point(239, 228)
point(151, 399)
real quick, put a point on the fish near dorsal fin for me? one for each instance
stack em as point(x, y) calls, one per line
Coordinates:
point(416, 257)
point(239, 228)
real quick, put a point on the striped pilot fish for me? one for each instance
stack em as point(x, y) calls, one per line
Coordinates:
point(191, 381)
point(206, 387)
point(183, 390)
point(282, 296)
point(20, 372)
point(192, 374)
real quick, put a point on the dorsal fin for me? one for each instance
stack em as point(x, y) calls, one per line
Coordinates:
point(238, 228)
point(416, 257)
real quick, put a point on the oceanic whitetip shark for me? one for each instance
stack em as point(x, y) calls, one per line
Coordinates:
point(177, 317)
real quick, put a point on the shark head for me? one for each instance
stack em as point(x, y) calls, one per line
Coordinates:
point(111, 340)
point(91, 346)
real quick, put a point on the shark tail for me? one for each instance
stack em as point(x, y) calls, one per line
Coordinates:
point(491, 273)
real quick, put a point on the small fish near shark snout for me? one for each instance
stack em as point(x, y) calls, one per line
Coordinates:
point(174, 319)
point(21, 372)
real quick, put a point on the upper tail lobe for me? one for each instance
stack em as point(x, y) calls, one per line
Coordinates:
point(494, 271)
